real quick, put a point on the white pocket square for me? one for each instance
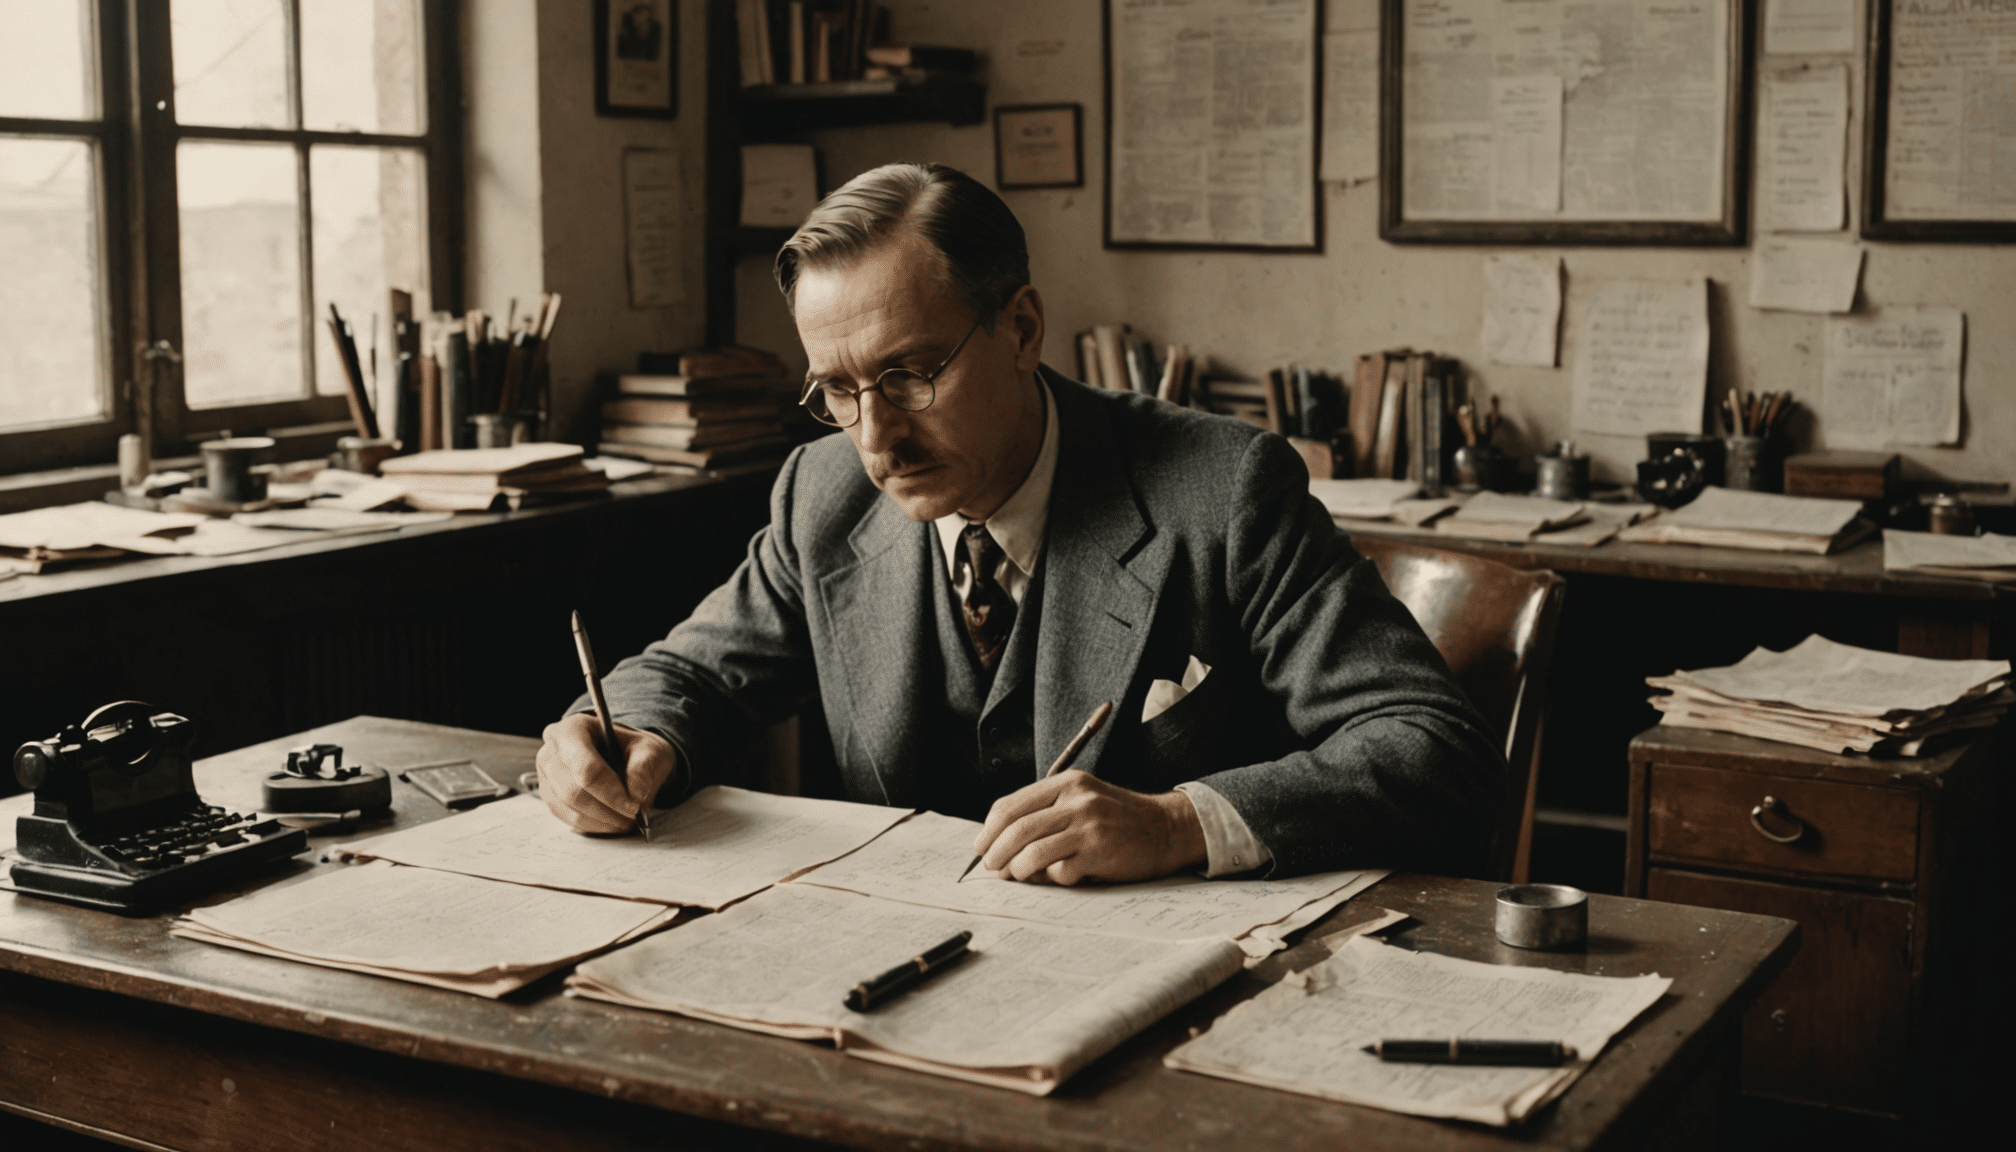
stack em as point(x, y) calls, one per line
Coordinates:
point(1163, 694)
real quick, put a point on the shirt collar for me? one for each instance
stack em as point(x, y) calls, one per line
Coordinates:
point(1018, 524)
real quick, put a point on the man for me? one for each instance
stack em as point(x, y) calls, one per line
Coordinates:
point(1002, 550)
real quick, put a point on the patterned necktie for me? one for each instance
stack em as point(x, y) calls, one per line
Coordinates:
point(988, 609)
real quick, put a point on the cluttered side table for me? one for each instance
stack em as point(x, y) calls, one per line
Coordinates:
point(1882, 862)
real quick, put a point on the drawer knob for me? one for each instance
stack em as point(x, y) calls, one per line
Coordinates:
point(1772, 805)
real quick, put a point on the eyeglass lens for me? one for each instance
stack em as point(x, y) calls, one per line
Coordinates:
point(835, 403)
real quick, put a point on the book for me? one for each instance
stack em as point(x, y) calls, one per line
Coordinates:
point(1368, 381)
point(1387, 461)
point(1143, 373)
point(924, 56)
point(1738, 519)
point(1437, 386)
point(709, 362)
point(1088, 359)
point(1277, 403)
point(501, 462)
point(746, 387)
point(728, 407)
point(698, 457)
point(1112, 340)
point(570, 477)
point(689, 436)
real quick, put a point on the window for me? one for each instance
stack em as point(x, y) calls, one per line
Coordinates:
point(177, 218)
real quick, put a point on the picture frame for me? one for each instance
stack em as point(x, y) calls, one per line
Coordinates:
point(1257, 188)
point(637, 58)
point(1631, 163)
point(1039, 146)
point(1915, 186)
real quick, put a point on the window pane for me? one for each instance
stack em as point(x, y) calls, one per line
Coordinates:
point(50, 365)
point(360, 65)
point(241, 272)
point(230, 62)
point(369, 238)
point(45, 56)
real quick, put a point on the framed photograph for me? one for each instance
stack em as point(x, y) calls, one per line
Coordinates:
point(1937, 146)
point(1619, 122)
point(637, 58)
point(1038, 146)
point(1211, 125)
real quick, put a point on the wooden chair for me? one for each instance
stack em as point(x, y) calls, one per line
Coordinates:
point(1494, 624)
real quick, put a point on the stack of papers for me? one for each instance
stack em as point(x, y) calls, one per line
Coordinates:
point(474, 479)
point(1362, 499)
point(1515, 519)
point(51, 537)
point(1308, 1035)
point(1839, 699)
point(1729, 518)
point(1988, 557)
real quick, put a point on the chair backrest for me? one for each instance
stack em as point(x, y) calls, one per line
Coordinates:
point(1494, 624)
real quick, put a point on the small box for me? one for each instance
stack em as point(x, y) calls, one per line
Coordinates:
point(1842, 474)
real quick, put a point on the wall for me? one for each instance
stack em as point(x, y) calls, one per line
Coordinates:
point(546, 193)
point(1252, 312)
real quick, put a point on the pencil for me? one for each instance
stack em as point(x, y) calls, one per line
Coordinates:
point(593, 675)
point(1064, 758)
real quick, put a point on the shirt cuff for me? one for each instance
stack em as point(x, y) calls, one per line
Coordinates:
point(1229, 845)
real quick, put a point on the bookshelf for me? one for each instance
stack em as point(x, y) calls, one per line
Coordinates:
point(786, 113)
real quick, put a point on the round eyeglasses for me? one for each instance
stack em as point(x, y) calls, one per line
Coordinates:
point(833, 402)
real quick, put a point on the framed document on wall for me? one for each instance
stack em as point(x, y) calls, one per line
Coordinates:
point(1211, 117)
point(1558, 122)
point(637, 58)
point(1941, 146)
point(1037, 146)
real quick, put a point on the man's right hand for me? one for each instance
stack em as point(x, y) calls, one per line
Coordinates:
point(580, 788)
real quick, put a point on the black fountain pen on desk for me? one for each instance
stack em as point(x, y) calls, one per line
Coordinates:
point(611, 750)
point(869, 993)
point(1457, 1050)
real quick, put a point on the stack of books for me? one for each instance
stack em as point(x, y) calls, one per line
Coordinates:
point(1837, 699)
point(1399, 415)
point(821, 41)
point(478, 479)
point(700, 410)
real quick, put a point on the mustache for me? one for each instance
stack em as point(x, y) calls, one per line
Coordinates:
point(902, 456)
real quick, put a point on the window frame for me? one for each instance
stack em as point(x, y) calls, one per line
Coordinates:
point(139, 233)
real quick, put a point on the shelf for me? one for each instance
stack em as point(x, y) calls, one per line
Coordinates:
point(780, 109)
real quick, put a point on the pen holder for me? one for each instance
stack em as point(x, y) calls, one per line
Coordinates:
point(1543, 916)
point(227, 469)
point(1747, 463)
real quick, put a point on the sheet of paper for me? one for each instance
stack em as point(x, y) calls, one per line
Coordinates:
point(1522, 309)
point(1821, 675)
point(1809, 27)
point(1529, 511)
point(1952, 67)
point(71, 526)
point(1798, 275)
point(1930, 549)
point(1640, 108)
point(780, 184)
point(654, 208)
point(1642, 361)
point(1367, 499)
point(1350, 106)
point(1526, 143)
point(482, 935)
point(919, 862)
point(1892, 378)
point(719, 846)
point(1026, 1008)
point(1310, 1039)
point(1214, 122)
point(1803, 156)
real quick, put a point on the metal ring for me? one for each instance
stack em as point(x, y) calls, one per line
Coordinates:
point(1771, 804)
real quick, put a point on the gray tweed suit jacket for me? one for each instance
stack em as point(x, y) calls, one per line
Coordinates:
point(1328, 719)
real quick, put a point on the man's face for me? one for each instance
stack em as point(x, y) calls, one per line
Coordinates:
point(972, 447)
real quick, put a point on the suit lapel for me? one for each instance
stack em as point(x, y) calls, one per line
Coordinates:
point(1104, 569)
point(880, 615)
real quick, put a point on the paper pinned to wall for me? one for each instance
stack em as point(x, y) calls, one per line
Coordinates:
point(1641, 364)
point(654, 200)
point(1350, 107)
point(1522, 309)
point(1805, 275)
point(1802, 187)
point(1805, 27)
point(1892, 378)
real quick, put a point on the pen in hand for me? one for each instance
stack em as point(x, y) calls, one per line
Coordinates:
point(611, 751)
point(1064, 758)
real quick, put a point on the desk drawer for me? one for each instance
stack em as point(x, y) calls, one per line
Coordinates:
point(1849, 830)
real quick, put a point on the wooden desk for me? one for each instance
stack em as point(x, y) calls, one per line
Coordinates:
point(110, 1025)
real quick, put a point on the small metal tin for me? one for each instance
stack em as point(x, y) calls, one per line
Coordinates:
point(227, 468)
point(363, 454)
point(1543, 916)
point(1561, 474)
point(1950, 515)
point(495, 429)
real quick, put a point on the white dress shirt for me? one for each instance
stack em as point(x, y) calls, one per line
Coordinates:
point(1018, 526)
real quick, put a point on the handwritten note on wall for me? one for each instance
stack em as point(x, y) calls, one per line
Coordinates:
point(1641, 361)
point(1893, 378)
point(1804, 151)
point(1522, 309)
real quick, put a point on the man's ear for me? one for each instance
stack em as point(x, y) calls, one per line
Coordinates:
point(1024, 314)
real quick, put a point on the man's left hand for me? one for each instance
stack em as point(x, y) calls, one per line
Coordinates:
point(1073, 827)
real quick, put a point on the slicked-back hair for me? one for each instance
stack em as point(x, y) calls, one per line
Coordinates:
point(982, 253)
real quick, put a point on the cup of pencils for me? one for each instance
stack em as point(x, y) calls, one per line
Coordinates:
point(1751, 423)
point(1478, 462)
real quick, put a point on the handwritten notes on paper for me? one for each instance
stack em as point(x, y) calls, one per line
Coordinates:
point(1642, 361)
point(654, 200)
point(1802, 186)
point(1350, 106)
point(1214, 122)
point(1892, 378)
point(1526, 143)
point(1804, 27)
point(1522, 309)
point(720, 845)
point(1800, 275)
point(1952, 69)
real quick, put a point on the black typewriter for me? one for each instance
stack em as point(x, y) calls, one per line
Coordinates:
point(117, 822)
